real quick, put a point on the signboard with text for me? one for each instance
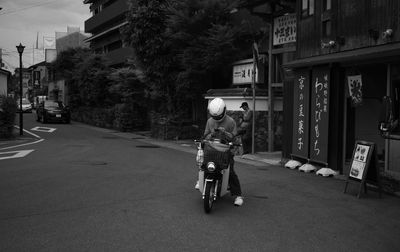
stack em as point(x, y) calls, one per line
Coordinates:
point(285, 29)
point(364, 166)
point(319, 125)
point(301, 114)
point(242, 71)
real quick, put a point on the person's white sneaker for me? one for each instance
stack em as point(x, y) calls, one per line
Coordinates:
point(197, 186)
point(238, 201)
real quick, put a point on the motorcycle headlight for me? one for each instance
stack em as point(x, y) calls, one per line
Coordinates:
point(211, 166)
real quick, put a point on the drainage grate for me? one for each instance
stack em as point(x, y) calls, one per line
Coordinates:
point(147, 146)
point(98, 163)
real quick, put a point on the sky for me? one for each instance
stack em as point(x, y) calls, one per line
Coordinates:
point(23, 21)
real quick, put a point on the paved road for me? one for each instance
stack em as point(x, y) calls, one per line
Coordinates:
point(85, 189)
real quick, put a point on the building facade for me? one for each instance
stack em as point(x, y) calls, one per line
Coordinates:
point(27, 86)
point(108, 16)
point(347, 60)
point(4, 81)
point(71, 39)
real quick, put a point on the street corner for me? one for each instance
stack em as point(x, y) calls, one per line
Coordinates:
point(18, 141)
point(7, 143)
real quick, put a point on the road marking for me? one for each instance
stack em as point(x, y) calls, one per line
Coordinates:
point(11, 147)
point(44, 129)
point(30, 133)
point(14, 154)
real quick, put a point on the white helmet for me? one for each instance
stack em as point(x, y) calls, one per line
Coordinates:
point(217, 109)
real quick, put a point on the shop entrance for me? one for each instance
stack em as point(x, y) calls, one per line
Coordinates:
point(365, 86)
point(393, 146)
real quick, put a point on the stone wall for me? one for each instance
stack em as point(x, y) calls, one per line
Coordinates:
point(261, 129)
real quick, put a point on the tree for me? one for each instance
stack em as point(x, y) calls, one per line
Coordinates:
point(66, 63)
point(127, 86)
point(128, 92)
point(145, 34)
point(183, 47)
point(92, 79)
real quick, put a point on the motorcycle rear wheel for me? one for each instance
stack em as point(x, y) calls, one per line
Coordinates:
point(208, 197)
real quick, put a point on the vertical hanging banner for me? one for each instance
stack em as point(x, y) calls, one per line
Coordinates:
point(301, 114)
point(355, 89)
point(319, 125)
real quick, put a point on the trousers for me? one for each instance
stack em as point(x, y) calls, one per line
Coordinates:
point(234, 183)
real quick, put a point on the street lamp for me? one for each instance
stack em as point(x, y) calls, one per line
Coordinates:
point(20, 49)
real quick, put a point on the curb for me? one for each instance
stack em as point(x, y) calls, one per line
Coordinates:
point(181, 145)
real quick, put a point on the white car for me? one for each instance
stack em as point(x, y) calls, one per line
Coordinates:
point(26, 106)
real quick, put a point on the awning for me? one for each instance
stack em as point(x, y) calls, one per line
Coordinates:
point(381, 52)
point(105, 32)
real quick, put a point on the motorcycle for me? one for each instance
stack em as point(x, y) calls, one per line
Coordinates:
point(213, 160)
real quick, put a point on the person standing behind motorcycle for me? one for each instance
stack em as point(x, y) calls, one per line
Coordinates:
point(225, 124)
point(245, 127)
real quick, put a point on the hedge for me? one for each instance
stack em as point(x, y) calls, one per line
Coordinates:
point(8, 109)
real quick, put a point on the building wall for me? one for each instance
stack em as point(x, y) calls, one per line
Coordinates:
point(362, 49)
point(104, 26)
point(3, 83)
point(354, 24)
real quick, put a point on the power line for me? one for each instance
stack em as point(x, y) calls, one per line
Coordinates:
point(26, 8)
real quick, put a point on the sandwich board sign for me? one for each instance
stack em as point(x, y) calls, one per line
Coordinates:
point(364, 166)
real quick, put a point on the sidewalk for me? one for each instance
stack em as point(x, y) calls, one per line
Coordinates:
point(273, 158)
point(269, 158)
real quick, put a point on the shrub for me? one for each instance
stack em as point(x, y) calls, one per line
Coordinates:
point(8, 109)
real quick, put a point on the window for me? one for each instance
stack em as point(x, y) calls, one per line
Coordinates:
point(97, 10)
point(307, 8)
point(395, 95)
point(327, 5)
point(326, 28)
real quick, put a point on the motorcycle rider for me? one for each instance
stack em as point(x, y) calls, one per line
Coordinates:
point(225, 124)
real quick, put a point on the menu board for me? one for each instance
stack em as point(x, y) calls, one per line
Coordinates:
point(360, 158)
point(364, 167)
point(319, 125)
point(301, 113)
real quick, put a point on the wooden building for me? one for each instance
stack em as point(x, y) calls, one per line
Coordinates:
point(347, 59)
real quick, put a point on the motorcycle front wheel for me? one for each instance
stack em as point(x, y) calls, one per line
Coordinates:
point(208, 197)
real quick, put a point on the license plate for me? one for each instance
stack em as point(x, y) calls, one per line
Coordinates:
point(58, 115)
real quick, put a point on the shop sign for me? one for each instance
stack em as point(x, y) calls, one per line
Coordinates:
point(319, 115)
point(242, 74)
point(301, 114)
point(355, 89)
point(285, 29)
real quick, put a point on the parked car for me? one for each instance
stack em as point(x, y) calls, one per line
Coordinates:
point(26, 106)
point(53, 111)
